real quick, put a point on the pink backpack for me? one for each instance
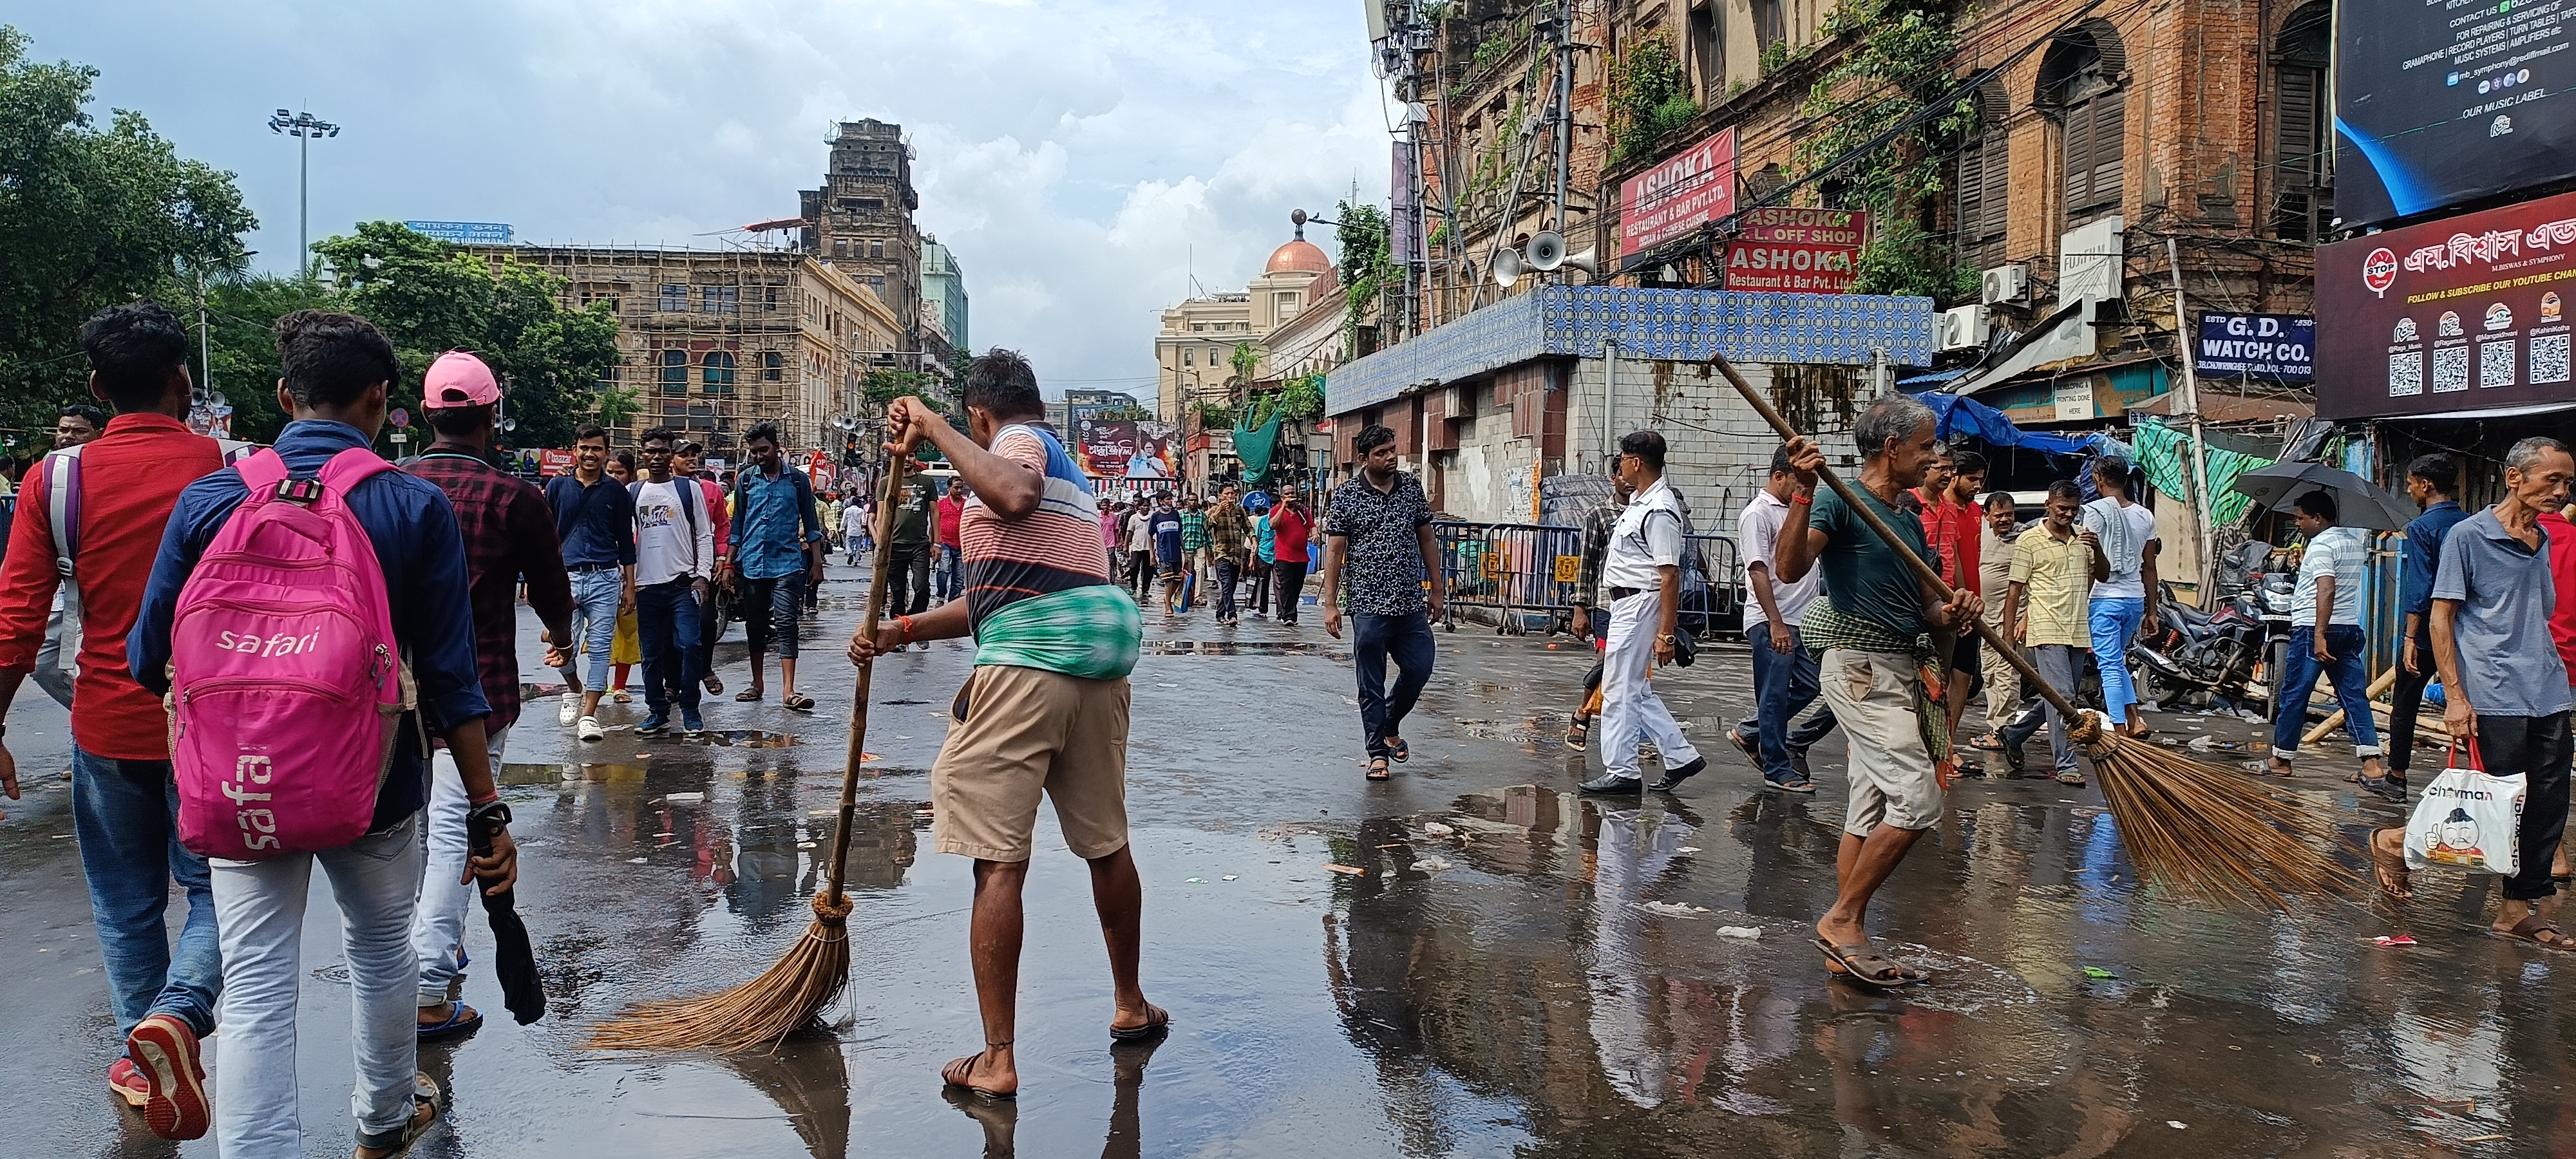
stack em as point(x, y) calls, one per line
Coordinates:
point(286, 685)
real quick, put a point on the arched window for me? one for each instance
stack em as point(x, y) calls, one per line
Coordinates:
point(1984, 183)
point(2081, 86)
point(675, 372)
point(772, 364)
point(718, 372)
point(2302, 143)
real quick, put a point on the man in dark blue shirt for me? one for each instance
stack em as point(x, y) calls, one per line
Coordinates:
point(595, 518)
point(2432, 481)
point(337, 370)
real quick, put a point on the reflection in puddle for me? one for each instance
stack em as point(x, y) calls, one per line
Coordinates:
point(746, 738)
point(1237, 648)
point(536, 774)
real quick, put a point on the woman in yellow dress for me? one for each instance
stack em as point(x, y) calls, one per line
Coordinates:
point(623, 651)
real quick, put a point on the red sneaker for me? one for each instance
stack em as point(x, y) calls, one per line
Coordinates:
point(128, 1082)
point(165, 1050)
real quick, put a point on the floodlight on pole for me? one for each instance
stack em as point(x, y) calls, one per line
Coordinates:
point(303, 126)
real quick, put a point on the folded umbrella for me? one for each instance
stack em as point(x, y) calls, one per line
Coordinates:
point(514, 962)
point(2358, 501)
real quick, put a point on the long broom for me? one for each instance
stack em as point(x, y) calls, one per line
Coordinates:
point(813, 972)
point(2196, 829)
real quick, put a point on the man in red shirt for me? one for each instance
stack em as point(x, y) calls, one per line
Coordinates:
point(947, 580)
point(125, 807)
point(1291, 526)
point(1955, 528)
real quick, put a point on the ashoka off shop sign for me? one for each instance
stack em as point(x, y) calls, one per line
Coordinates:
point(2467, 313)
point(1798, 251)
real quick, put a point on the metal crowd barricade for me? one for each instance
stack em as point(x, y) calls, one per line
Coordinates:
point(1523, 572)
point(1723, 604)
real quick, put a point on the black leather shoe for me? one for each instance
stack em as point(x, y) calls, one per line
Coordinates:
point(1609, 784)
point(1673, 778)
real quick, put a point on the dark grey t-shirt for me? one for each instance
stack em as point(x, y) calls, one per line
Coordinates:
point(2508, 659)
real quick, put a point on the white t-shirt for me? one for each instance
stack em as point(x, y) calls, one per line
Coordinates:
point(664, 548)
point(1758, 530)
point(2125, 533)
point(1647, 539)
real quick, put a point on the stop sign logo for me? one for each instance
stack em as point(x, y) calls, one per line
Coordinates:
point(2379, 270)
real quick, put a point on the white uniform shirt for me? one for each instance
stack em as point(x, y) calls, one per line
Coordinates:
point(1639, 545)
point(1758, 531)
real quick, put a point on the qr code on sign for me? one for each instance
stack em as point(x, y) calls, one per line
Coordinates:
point(2450, 369)
point(2405, 374)
point(2549, 358)
point(2496, 363)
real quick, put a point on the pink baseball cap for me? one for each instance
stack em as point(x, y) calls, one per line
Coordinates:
point(459, 379)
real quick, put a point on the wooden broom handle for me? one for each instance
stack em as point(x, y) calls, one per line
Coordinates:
point(1923, 571)
point(874, 607)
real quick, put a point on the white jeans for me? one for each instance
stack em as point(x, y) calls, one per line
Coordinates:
point(259, 907)
point(438, 930)
point(1629, 706)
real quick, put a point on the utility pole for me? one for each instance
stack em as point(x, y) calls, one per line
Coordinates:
point(2205, 503)
point(303, 127)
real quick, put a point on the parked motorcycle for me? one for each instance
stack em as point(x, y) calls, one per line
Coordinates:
point(2189, 657)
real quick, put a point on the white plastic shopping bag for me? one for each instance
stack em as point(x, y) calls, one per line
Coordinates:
point(2468, 819)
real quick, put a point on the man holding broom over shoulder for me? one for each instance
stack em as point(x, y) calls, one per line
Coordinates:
point(1883, 634)
point(1046, 708)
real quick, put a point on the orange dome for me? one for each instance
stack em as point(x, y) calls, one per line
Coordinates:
point(1299, 255)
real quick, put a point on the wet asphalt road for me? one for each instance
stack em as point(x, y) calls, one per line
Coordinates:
point(1540, 975)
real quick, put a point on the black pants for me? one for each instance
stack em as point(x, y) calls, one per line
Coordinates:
point(2536, 747)
point(2405, 700)
point(1140, 573)
point(1407, 640)
point(771, 609)
point(907, 579)
point(1260, 601)
point(1227, 571)
point(1291, 583)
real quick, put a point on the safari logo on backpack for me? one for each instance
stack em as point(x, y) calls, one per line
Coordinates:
point(286, 685)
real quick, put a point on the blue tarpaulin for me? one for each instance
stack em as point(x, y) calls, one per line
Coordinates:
point(1961, 417)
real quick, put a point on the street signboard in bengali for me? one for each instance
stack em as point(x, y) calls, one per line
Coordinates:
point(1790, 267)
point(2466, 313)
point(1681, 193)
point(1781, 223)
point(463, 232)
point(2270, 347)
point(2441, 103)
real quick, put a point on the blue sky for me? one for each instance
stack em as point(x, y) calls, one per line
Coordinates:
point(1073, 154)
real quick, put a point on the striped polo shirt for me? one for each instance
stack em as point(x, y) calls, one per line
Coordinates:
point(1052, 549)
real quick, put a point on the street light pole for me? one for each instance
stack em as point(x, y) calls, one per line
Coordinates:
point(303, 126)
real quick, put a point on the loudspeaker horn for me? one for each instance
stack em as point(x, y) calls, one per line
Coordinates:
point(1508, 267)
point(1585, 262)
point(1547, 250)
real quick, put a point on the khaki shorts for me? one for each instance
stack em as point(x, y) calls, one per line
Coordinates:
point(1872, 695)
point(1017, 732)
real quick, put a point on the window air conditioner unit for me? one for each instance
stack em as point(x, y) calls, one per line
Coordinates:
point(2007, 285)
point(1964, 327)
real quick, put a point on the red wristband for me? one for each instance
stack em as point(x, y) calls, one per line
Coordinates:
point(906, 621)
point(1794, 497)
point(485, 799)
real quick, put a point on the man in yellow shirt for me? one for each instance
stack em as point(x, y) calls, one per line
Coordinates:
point(2054, 568)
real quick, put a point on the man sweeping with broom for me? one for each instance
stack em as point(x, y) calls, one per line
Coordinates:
point(1046, 708)
point(1882, 632)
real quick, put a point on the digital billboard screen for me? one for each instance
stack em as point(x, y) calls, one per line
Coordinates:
point(2444, 101)
point(2466, 313)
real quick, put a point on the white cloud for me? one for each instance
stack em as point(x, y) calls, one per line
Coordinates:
point(1075, 155)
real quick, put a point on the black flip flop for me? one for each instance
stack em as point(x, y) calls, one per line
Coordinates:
point(798, 703)
point(970, 1088)
point(1851, 957)
point(1377, 770)
point(1396, 748)
point(1158, 1021)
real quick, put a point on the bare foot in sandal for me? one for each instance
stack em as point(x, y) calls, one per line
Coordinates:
point(2523, 922)
point(2388, 864)
point(990, 1072)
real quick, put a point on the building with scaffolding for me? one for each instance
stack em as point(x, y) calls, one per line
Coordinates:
point(714, 341)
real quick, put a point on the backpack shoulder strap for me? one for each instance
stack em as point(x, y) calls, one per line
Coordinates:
point(261, 472)
point(63, 504)
point(351, 467)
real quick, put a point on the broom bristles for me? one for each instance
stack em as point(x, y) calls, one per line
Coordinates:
point(757, 1013)
point(2207, 833)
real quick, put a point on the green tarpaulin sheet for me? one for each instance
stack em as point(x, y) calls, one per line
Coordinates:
point(1253, 447)
point(2165, 454)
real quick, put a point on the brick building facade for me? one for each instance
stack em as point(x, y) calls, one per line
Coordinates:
point(861, 219)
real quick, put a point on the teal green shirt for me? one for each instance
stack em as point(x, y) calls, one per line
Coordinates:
point(1863, 575)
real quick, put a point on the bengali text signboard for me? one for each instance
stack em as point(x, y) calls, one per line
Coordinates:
point(2466, 313)
point(1681, 193)
point(2270, 347)
point(2443, 101)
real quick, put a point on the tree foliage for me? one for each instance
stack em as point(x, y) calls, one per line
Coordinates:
point(1902, 58)
point(90, 217)
point(430, 297)
point(1367, 265)
point(1649, 98)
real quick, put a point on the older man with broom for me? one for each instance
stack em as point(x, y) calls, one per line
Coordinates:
point(1884, 635)
point(1046, 709)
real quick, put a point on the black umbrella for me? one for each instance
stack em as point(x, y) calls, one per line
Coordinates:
point(2358, 501)
point(514, 962)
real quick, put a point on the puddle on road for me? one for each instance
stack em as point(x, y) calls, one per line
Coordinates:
point(554, 774)
point(1240, 648)
point(745, 738)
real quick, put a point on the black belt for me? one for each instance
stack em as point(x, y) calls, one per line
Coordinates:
point(587, 568)
point(1624, 593)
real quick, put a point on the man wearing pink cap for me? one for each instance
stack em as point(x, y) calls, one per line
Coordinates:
point(509, 534)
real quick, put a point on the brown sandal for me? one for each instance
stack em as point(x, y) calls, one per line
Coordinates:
point(1157, 1020)
point(2529, 930)
point(959, 1070)
point(2389, 870)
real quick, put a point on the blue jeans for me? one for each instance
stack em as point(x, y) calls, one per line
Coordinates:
point(2115, 623)
point(595, 596)
point(2299, 682)
point(1374, 640)
point(666, 631)
point(946, 581)
point(127, 816)
point(1784, 685)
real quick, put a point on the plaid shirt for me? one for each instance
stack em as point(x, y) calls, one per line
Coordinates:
point(509, 532)
point(1194, 531)
point(1227, 528)
point(1597, 527)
